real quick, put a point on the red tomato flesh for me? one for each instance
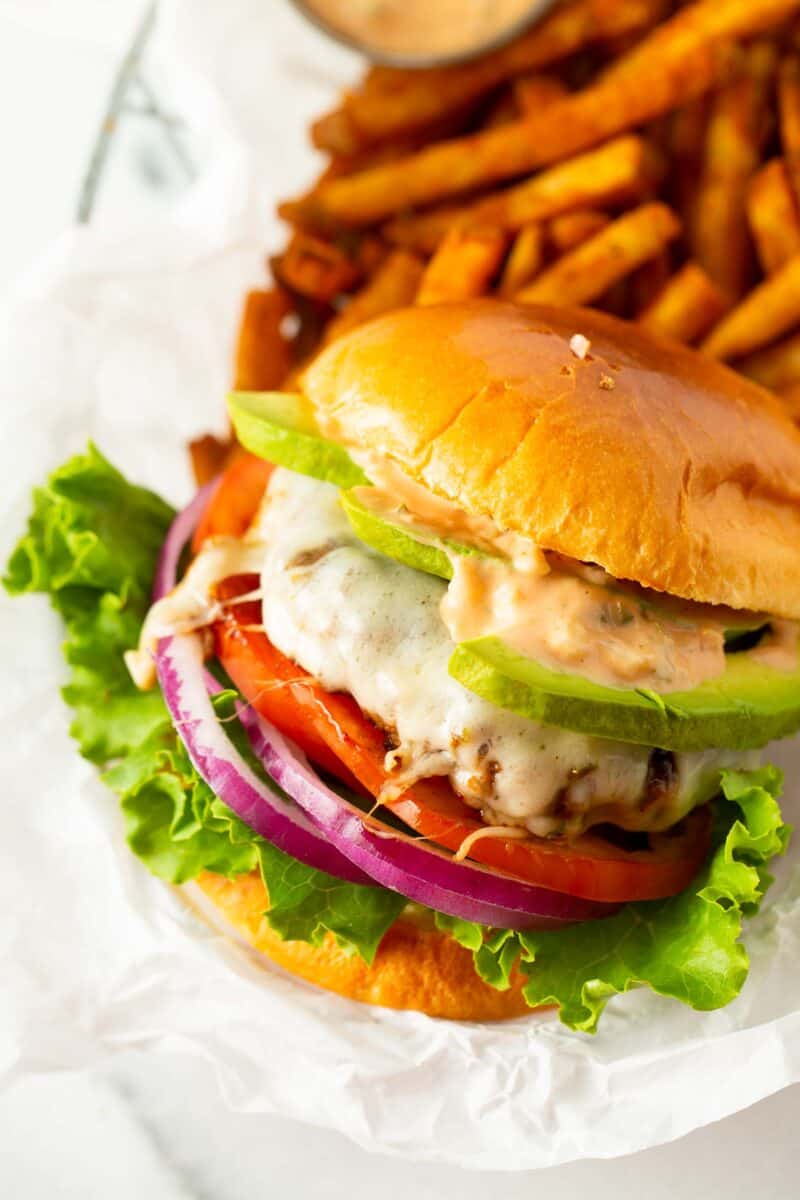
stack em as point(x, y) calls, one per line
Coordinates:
point(338, 737)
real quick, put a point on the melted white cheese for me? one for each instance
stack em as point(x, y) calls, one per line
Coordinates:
point(364, 624)
point(191, 605)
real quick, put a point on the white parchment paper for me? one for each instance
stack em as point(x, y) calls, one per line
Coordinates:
point(126, 337)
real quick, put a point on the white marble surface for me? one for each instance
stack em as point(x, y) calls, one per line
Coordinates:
point(155, 1126)
point(138, 1131)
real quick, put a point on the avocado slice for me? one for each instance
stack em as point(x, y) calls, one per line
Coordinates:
point(747, 706)
point(422, 551)
point(425, 550)
point(280, 427)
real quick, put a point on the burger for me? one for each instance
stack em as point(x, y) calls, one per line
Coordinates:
point(454, 688)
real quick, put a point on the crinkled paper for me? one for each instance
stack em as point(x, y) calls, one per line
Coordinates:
point(125, 335)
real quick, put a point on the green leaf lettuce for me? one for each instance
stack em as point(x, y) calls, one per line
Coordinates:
point(686, 947)
point(92, 544)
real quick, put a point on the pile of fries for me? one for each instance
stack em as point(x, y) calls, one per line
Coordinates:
point(639, 157)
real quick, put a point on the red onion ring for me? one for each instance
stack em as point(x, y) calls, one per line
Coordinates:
point(418, 870)
point(178, 534)
point(186, 687)
point(179, 662)
point(321, 828)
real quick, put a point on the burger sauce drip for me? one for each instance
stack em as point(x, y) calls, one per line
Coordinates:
point(568, 622)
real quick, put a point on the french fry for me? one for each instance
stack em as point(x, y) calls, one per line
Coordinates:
point(208, 457)
point(394, 285)
point(768, 311)
point(686, 147)
point(688, 305)
point(683, 58)
point(524, 260)
point(790, 395)
point(773, 215)
point(776, 367)
point(311, 319)
point(503, 111)
point(565, 128)
point(340, 165)
point(424, 231)
point(395, 106)
point(263, 353)
point(463, 266)
point(316, 268)
point(789, 116)
point(535, 92)
point(622, 170)
point(587, 272)
point(647, 281)
point(569, 230)
point(699, 24)
point(719, 234)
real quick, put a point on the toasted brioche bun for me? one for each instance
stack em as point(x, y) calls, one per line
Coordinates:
point(661, 466)
point(416, 967)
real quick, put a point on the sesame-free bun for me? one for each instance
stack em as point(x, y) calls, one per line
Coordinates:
point(661, 466)
point(416, 967)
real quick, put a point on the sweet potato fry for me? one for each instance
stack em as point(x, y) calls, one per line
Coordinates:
point(790, 395)
point(316, 268)
point(463, 266)
point(503, 110)
point(687, 147)
point(524, 260)
point(591, 269)
point(699, 24)
point(424, 231)
point(534, 92)
point(208, 456)
point(688, 305)
point(719, 234)
point(263, 353)
point(773, 215)
point(647, 281)
point(394, 285)
point(767, 312)
point(789, 116)
point(569, 230)
point(403, 102)
point(567, 127)
point(622, 170)
point(776, 367)
point(681, 59)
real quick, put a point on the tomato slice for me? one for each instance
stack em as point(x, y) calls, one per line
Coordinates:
point(234, 499)
point(336, 735)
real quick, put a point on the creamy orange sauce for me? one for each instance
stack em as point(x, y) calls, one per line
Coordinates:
point(778, 648)
point(421, 27)
point(400, 498)
point(567, 615)
point(368, 626)
point(191, 605)
point(567, 623)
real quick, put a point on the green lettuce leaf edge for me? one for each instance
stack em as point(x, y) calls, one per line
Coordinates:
point(92, 544)
point(686, 947)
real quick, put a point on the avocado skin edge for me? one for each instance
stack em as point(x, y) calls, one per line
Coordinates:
point(748, 706)
point(268, 429)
